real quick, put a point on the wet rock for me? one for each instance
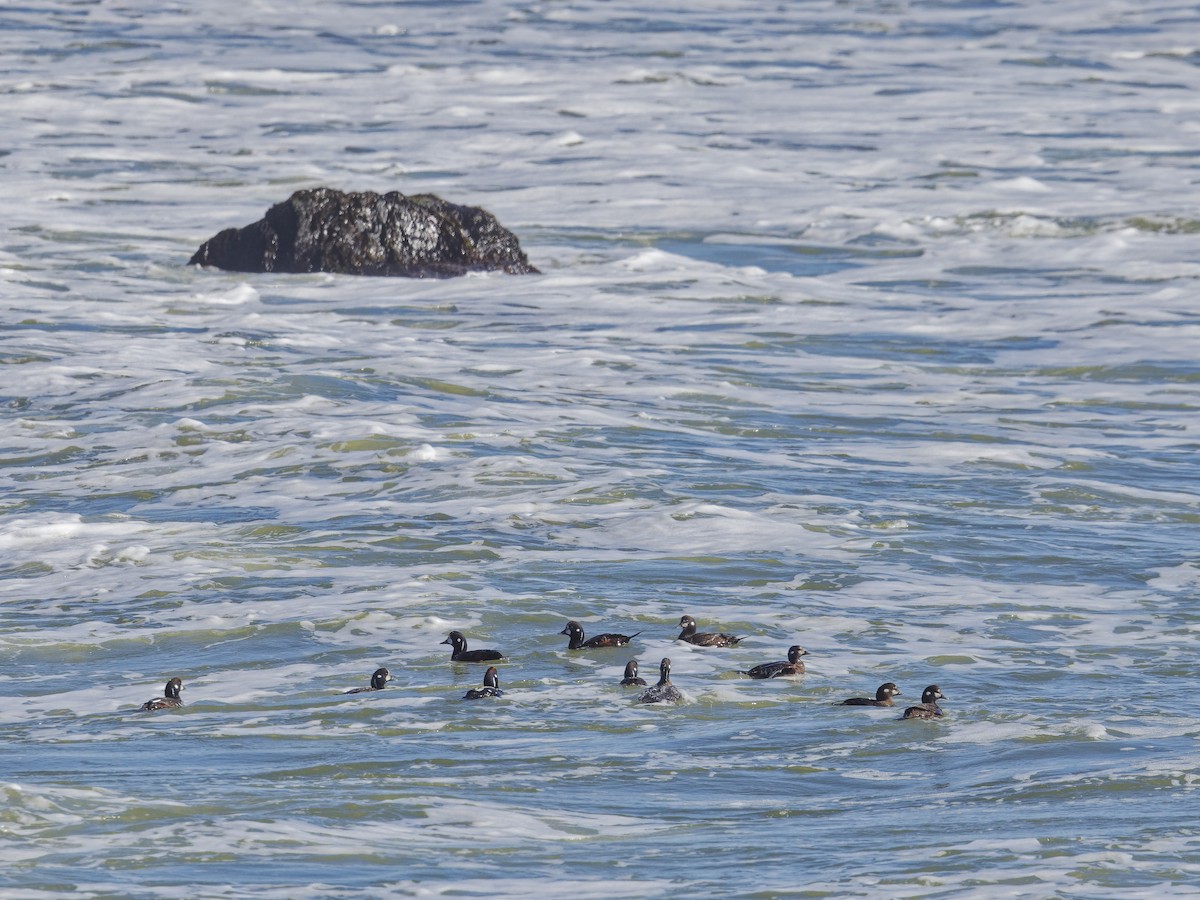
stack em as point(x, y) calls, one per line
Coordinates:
point(364, 233)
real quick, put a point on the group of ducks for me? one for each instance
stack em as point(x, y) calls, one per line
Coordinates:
point(662, 692)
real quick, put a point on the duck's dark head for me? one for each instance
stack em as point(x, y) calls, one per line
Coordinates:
point(380, 678)
point(795, 652)
point(456, 640)
point(887, 691)
point(174, 686)
point(573, 628)
point(491, 678)
point(664, 669)
point(932, 694)
point(631, 669)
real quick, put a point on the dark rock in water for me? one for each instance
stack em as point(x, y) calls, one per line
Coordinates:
point(364, 233)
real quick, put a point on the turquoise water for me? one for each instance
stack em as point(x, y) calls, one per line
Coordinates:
point(867, 327)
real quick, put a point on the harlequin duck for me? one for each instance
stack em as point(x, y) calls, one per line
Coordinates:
point(631, 675)
point(577, 641)
point(378, 680)
point(928, 708)
point(460, 653)
point(664, 691)
point(793, 666)
point(704, 638)
point(491, 686)
point(169, 699)
point(883, 697)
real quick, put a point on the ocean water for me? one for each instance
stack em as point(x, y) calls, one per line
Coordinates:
point(868, 326)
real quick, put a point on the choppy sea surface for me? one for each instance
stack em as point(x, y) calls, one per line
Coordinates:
point(867, 326)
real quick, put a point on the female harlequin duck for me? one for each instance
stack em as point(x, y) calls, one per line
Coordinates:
point(631, 675)
point(378, 680)
point(577, 641)
point(793, 666)
point(928, 708)
point(704, 638)
point(491, 686)
point(664, 691)
point(169, 699)
point(460, 653)
point(883, 697)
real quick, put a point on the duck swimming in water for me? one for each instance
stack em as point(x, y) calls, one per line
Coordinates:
point(577, 642)
point(704, 638)
point(491, 686)
point(883, 697)
point(664, 691)
point(631, 676)
point(928, 708)
point(793, 666)
point(169, 699)
point(380, 678)
point(460, 653)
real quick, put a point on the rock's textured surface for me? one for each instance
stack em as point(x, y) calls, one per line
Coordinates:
point(364, 233)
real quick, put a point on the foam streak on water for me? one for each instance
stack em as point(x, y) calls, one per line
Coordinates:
point(865, 326)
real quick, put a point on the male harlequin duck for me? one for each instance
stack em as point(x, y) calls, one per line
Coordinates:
point(169, 699)
point(928, 708)
point(577, 641)
point(460, 653)
point(704, 638)
point(664, 691)
point(491, 686)
point(793, 666)
point(378, 680)
point(631, 675)
point(883, 697)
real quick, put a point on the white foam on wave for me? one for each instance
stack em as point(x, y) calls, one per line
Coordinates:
point(235, 296)
point(1174, 578)
point(74, 543)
